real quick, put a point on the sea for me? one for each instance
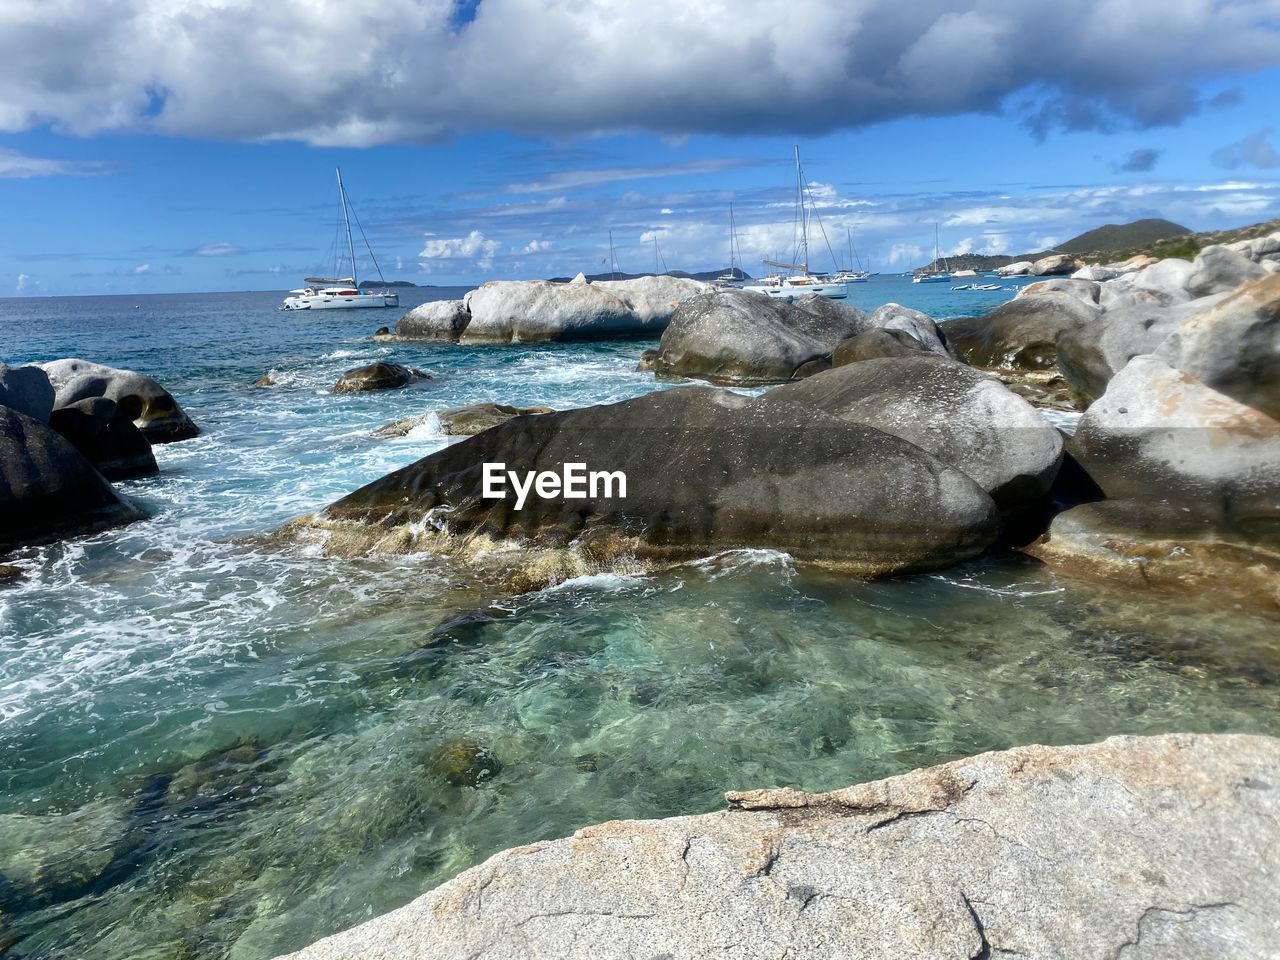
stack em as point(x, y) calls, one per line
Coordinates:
point(214, 744)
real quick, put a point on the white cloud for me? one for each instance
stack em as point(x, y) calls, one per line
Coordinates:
point(473, 250)
point(537, 246)
point(142, 269)
point(243, 69)
point(19, 166)
point(666, 211)
point(24, 280)
point(215, 250)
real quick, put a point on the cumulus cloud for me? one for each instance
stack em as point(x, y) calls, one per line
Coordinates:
point(142, 269)
point(24, 280)
point(1140, 161)
point(473, 249)
point(1253, 151)
point(19, 166)
point(290, 69)
point(537, 246)
point(214, 250)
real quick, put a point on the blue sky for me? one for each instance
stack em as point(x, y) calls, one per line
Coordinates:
point(506, 138)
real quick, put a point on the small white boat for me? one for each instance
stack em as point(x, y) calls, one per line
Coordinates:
point(935, 275)
point(341, 293)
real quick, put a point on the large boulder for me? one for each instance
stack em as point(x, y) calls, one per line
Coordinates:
point(1133, 848)
point(1019, 268)
point(705, 470)
point(1095, 272)
point(47, 489)
point(518, 311)
point(1087, 291)
point(1218, 270)
point(105, 437)
point(151, 407)
point(1234, 346)
point(1054, 265)
point(963, 417)
point(1159, 434)
point(377, 376)
point(437, 320)
point(875, 345)
point(1144, 544)
point(1021, 334)
point(922, 327)
point(467, 421)
point(730, 336)
point(27, 390)
point(1169, 280)
point(1090, 356)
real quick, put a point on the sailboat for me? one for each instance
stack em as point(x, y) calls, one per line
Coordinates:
point(851, 275)
point(735, 276)
point(807, 282)
point(341, 293)
point(934, 275)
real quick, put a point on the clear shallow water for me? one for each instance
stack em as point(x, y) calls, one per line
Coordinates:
point(210, 749)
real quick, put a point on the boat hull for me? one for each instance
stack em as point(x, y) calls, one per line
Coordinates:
point(326, 301)
point(832, 291)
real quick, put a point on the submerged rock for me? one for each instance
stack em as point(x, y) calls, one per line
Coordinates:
point(378, 376)
point(48, 490)
point(963, 417)
point(521, 311)
point(27, 390)
point(1153, 847)
point(152, 408)
point(106, 438)
point(705, 470)
point(478, 417)
point(266, 380)
point(465, 763)
point(1021, 334)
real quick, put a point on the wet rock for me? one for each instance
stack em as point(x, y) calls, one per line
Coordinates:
point(1234, 346)
point(240, 774)
point(152, 408)
point(521, 311)
point(48, 490)
point(11, 574)
point(1055, 265)
point(27, 390)
point(1021, 334)
point(874, 345)
point(1159, 434)
point(465, 763)
point(266, 380)
point(1153, 847)
point(378, 376)
point(478, 417)
point(53, 858)
point(648, 361)
point(1141, 544)
point(106, 438)
point(960, 415)
point(1090, 356)
point(437, 320)
point(1219, 270)
point(731, 336)
point(733, 473)
point(382, 332)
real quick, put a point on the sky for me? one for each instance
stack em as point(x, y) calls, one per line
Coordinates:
point(190, 145)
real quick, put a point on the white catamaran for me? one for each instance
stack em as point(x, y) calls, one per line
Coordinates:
point(342, 293)
point(805, 282)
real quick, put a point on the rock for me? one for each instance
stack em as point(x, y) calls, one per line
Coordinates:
point(921, 326)
point(875, 344)
point(520, 311)
point(478, 417)
point(106, 438)
point(1135, 263)
point(963, 417)
point(378, 376)
point(1136, 847)
point(729, 336)
point(1159, 434)
point(382, 332)
point(1055, 265)
point(27, 390)
point(1140, 544)
point(47, 489)
point(1234, 346)
point(266, 380)
point(647, 362)
point(151, 407)
point(1090, 356)
point(705, 470)
point(437, 320)
point(1022, 333)
point(465, 763)
point(1021, 268)
point(11, 574)
point(1095, 272)
point(1086, 291)
point(1168, 279)
point(1218, 270)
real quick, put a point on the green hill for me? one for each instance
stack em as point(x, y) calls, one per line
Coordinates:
point(1122, 236)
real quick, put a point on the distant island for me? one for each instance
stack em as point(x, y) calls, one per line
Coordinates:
point(1113, 242)
point(705, 276)
point(382, 285)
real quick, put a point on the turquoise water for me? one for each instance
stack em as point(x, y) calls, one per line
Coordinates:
point(212, 747)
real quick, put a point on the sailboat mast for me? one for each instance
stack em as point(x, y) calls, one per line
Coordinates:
point(346, 221)
point(613, 269)
point(804, 220)
point(733, 233)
